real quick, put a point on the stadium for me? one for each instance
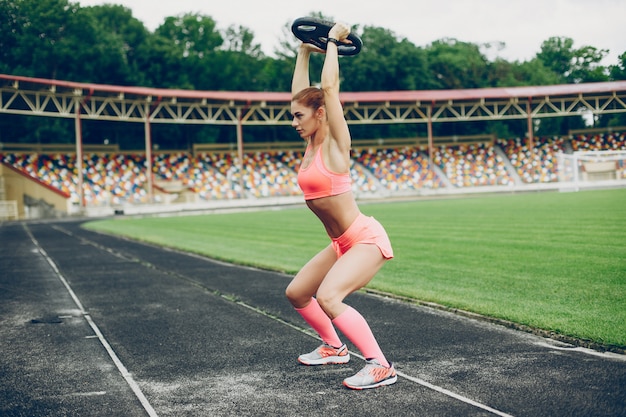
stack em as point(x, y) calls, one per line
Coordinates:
point(95, 180)
point(151, 281)
point(514, 317)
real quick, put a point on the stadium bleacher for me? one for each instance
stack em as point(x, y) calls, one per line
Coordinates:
point(472, 165)
point(120, 178)
point(599, 142)
point(537, 164)
point(400, 169)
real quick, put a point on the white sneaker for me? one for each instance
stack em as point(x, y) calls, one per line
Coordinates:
point(373, 375)
point(326, 355)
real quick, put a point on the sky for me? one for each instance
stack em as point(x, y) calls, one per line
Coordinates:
point(522, 25)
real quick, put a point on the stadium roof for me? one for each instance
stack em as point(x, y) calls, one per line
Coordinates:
point(56, 98)
point(67, 99)
point(372, 96)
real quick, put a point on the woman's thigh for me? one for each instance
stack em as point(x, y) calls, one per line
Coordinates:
point(351, 272)
point(307, 281)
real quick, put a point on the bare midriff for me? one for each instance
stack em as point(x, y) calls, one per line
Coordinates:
point(336, 212)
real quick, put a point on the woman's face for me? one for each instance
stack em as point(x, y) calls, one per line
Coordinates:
point(306, 121)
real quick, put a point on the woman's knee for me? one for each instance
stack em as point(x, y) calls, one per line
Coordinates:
point(329, 301)
point(291, 293)
point(296, 296)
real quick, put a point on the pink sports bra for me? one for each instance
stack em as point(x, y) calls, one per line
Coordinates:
point(316, 181)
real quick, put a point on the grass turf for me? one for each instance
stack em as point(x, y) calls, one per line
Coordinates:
point(552, 261)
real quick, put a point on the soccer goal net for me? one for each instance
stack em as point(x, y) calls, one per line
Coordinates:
point(592, 167)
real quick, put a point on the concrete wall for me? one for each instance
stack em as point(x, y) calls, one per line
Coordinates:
point(34, 199)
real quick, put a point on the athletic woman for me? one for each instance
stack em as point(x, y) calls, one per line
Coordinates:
point(359, 244)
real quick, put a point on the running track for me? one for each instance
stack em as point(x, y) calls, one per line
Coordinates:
point(93, 325)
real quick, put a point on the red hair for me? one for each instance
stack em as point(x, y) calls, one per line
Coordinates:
point(312, 97)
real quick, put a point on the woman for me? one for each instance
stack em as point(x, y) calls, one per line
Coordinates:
point(359, 244)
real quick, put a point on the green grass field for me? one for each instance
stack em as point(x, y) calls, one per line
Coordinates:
point(551, 261)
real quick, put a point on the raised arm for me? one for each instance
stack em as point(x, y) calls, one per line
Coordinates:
point(330, 85)
point(300, 79)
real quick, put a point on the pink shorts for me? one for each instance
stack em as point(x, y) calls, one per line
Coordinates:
point(364, 229)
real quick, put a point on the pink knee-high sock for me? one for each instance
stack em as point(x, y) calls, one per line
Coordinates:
point(353, 325)
point(320, 322)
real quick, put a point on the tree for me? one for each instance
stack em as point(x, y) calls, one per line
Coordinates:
point(455, 64)
point(127, 41)
point(59, 40)
point(193, 35)
point(240, 62)
point(557, 54)
point(105, 44)
point(161, 66)
point(573, 65)
point(511, 74)
point(241, 39)
point(40, 35)
point(9, 34)
point(618, 72)
point(287, 43)
point(586, 66)
point(386, 63)
point(53, 39)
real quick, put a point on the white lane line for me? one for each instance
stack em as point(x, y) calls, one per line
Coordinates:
point(452, 394)
point(312, 334)
point(571, 348)
point(118, 363)
point(401, 374)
